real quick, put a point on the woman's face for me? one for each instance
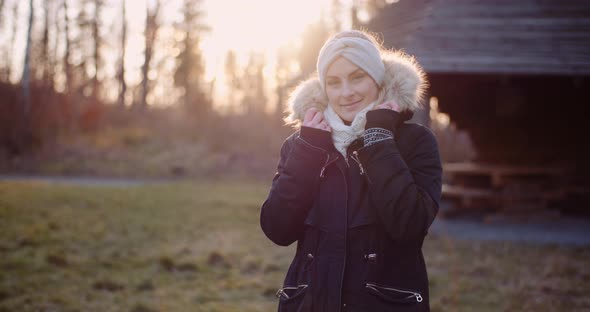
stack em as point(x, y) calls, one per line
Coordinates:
point(349, 88)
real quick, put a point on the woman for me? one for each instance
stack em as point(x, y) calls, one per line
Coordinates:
point(357, 187)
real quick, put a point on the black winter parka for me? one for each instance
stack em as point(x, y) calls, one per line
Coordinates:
point(359, 222)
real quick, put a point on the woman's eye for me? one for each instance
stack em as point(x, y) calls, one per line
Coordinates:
point(357, 77)
point(332, 82)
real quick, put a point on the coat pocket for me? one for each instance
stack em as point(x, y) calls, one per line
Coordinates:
point(291, 298)
point(393, 294)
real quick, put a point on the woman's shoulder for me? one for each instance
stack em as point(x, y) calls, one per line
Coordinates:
point(414, 129)
point(292, 137)
point(288, 142)
point(416, 135)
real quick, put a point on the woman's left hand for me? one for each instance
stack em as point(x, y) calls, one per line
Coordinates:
point(389, 105)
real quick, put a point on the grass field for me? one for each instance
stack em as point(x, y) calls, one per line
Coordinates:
point(198, 247)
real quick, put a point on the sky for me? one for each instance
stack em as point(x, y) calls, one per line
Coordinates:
point(256, 25)
point(241, 25)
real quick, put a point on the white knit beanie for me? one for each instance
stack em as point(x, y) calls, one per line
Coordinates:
point(361, 52)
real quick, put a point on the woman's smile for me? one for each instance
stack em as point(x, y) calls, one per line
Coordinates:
point(351, 103)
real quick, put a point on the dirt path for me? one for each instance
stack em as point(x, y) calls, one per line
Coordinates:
point(542, 228)
point(559, 231)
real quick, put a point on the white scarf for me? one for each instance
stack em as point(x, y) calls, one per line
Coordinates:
point(343, 135)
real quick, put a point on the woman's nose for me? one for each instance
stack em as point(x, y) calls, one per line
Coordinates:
point(347, 90)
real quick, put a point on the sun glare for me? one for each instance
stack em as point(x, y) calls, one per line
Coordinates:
point(255, 26)
point(261, 26)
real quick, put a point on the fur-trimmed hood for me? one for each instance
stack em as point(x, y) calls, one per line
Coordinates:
point(404, 82)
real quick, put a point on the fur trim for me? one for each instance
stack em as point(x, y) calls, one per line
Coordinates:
point(404, 82)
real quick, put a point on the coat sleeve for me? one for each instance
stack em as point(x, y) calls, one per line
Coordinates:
point(294, 185)
point(405, 192)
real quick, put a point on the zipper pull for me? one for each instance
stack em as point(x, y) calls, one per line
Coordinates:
point(355, 157)
point(281, 293)
point(418, 297)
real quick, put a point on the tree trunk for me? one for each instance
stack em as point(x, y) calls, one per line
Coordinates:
point(12, 38)
point(3, 71)
point(96, 53)
point(151, 28)
point(1, 10)
point(122, 84)
point(44, 61)
point(26, 67)
point(21, 133)
point(66, 59)
point(1, 5)
point(54, 58)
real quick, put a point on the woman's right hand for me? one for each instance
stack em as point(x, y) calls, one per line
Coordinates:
point(315, 119)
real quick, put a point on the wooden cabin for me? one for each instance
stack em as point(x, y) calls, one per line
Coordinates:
point(515, 75)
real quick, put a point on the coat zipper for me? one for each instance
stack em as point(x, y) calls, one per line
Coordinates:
point(328, 162)
point(281, 292)
point(355, 157)
point(323, 151)
point(345, 237)
point(376, 287)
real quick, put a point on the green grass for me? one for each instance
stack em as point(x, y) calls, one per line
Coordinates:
point(198, 247)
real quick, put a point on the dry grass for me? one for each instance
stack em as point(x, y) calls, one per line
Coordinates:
point(198, 247)
point(160, 144)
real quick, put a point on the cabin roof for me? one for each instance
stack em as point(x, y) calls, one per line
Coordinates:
point(539, 37)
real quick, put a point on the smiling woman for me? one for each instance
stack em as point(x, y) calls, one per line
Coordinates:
point(356, 186)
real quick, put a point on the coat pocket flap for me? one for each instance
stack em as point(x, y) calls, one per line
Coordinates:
point(360, 220)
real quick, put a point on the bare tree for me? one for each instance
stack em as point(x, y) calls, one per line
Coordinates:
point(121, 72)
point(190, 67)
point(232, 77)
point(67, 41)
point(12, 39)
point(254, 100)
point(336, 13)
point(96, 48)
point(54, 58)
point(3, 71)
point(283, 78)
point(151, 29)
point(313, 38)
point(25, 80)
point(1, 13)
point(81, 51)
point(44, 63)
